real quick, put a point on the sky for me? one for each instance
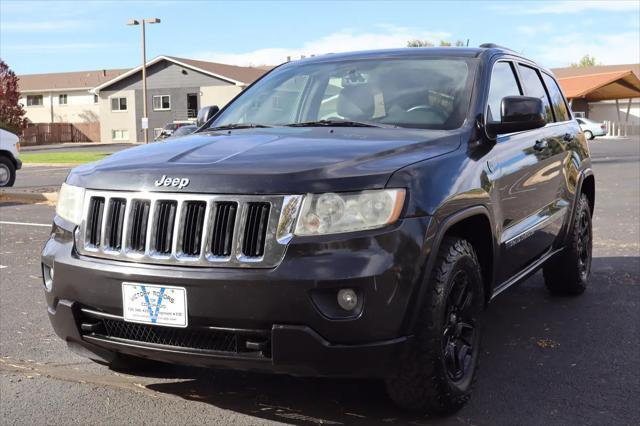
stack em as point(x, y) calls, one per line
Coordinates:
point(50, 36)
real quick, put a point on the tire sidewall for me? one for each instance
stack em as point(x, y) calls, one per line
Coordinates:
point(6, 164)
point(468, 265)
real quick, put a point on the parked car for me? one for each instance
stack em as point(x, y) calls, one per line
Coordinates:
point(9, 161)
point(183, 131)
point(591, 128)
point(169, 128)
point(356, 236)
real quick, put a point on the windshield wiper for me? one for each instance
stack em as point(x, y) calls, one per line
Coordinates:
point(239, 126)
point(338, 123)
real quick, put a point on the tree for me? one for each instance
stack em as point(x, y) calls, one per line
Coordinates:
point(586, 61)
point(427, 43)
point(11, 112)
point(419, 43)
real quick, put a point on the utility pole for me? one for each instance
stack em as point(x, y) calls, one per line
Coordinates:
point(145, 118)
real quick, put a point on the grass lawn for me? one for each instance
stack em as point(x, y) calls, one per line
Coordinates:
point(62, 157)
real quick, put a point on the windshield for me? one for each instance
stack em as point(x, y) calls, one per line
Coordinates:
point(427, 93)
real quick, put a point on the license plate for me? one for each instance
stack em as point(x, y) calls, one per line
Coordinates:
point(153, 304)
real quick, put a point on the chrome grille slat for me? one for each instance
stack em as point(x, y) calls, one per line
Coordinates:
point(214, 243)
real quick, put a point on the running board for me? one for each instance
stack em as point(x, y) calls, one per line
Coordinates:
point(524, 274)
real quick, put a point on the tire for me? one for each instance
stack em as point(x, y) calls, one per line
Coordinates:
point(427, 379)
point(588, 134)
point(567, 273)
point(7, 171)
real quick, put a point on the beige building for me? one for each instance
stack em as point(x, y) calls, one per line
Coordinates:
point(176, 89)
point(62, 97)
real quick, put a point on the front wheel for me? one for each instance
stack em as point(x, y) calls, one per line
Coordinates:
point(7, 172)
point(437, 372)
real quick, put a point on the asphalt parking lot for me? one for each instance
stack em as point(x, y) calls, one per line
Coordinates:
point(547, 360)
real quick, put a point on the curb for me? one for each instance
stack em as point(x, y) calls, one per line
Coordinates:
point(29, 197)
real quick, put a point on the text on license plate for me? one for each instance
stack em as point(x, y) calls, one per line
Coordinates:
point(153, 304)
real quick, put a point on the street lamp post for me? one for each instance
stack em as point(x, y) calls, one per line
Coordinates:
point(145, 118)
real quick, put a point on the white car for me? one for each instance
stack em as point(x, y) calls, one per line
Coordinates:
point(9, 161)
point(591, 128)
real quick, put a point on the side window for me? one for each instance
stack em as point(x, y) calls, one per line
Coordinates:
point(533, 86)
point(557, 101)
point(503, 83)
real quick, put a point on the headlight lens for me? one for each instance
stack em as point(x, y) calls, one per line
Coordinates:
point(347, 212)
point(70, 202)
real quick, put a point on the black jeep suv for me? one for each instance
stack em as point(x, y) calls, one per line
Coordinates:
point(346, 215)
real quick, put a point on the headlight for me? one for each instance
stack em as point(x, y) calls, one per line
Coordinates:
point(347, 212)
point(70, 202)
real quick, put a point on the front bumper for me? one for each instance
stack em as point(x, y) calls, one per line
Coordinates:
point(18, 164)
point(284, 311)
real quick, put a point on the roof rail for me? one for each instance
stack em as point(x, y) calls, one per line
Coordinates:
point(493, 46)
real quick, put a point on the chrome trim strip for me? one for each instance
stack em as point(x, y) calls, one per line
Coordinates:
point(280, 226)
point(531, 230)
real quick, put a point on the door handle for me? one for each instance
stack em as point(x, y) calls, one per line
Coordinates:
point(540, 145)
point(568, 137)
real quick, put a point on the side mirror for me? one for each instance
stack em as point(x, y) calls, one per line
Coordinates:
point(206, 113)
point(519, 113)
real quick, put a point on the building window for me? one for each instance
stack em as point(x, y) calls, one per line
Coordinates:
point(162, 103)
point(95, 99)
point(34, 100)
point(120, 135)
point(118, 104)
point(62, 99)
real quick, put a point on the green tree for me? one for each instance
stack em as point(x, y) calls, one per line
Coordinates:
point(427, 43)
point(586, 61)
point(419, 43)
point(11, 112)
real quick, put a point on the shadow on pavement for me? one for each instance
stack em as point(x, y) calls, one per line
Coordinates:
point(544, 357)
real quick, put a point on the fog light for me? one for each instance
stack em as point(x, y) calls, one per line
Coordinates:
point(347, 299)
point(47, 276)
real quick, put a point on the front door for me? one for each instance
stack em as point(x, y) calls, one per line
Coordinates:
point(525, 175)
point(192, 105)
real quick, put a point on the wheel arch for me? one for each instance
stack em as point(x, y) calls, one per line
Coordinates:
point(588, 187)
point(464, 224)
point(9, 155)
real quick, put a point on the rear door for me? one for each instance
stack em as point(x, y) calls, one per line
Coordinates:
point(563, 139)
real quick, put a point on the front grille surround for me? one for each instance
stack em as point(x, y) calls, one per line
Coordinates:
point(283, 211)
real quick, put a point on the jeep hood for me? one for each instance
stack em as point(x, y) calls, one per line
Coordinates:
point(272, 160)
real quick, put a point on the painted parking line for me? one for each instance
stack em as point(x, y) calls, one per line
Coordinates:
point(2, 222)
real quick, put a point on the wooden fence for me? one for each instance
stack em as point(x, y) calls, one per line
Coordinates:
point(52, 133)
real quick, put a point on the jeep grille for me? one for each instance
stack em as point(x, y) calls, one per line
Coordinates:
point(187, 229)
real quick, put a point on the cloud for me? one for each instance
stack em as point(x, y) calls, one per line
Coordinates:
point(345, 40)
point(533, 30)
point(44, 26)
point(621, 48)
point(566, 6)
